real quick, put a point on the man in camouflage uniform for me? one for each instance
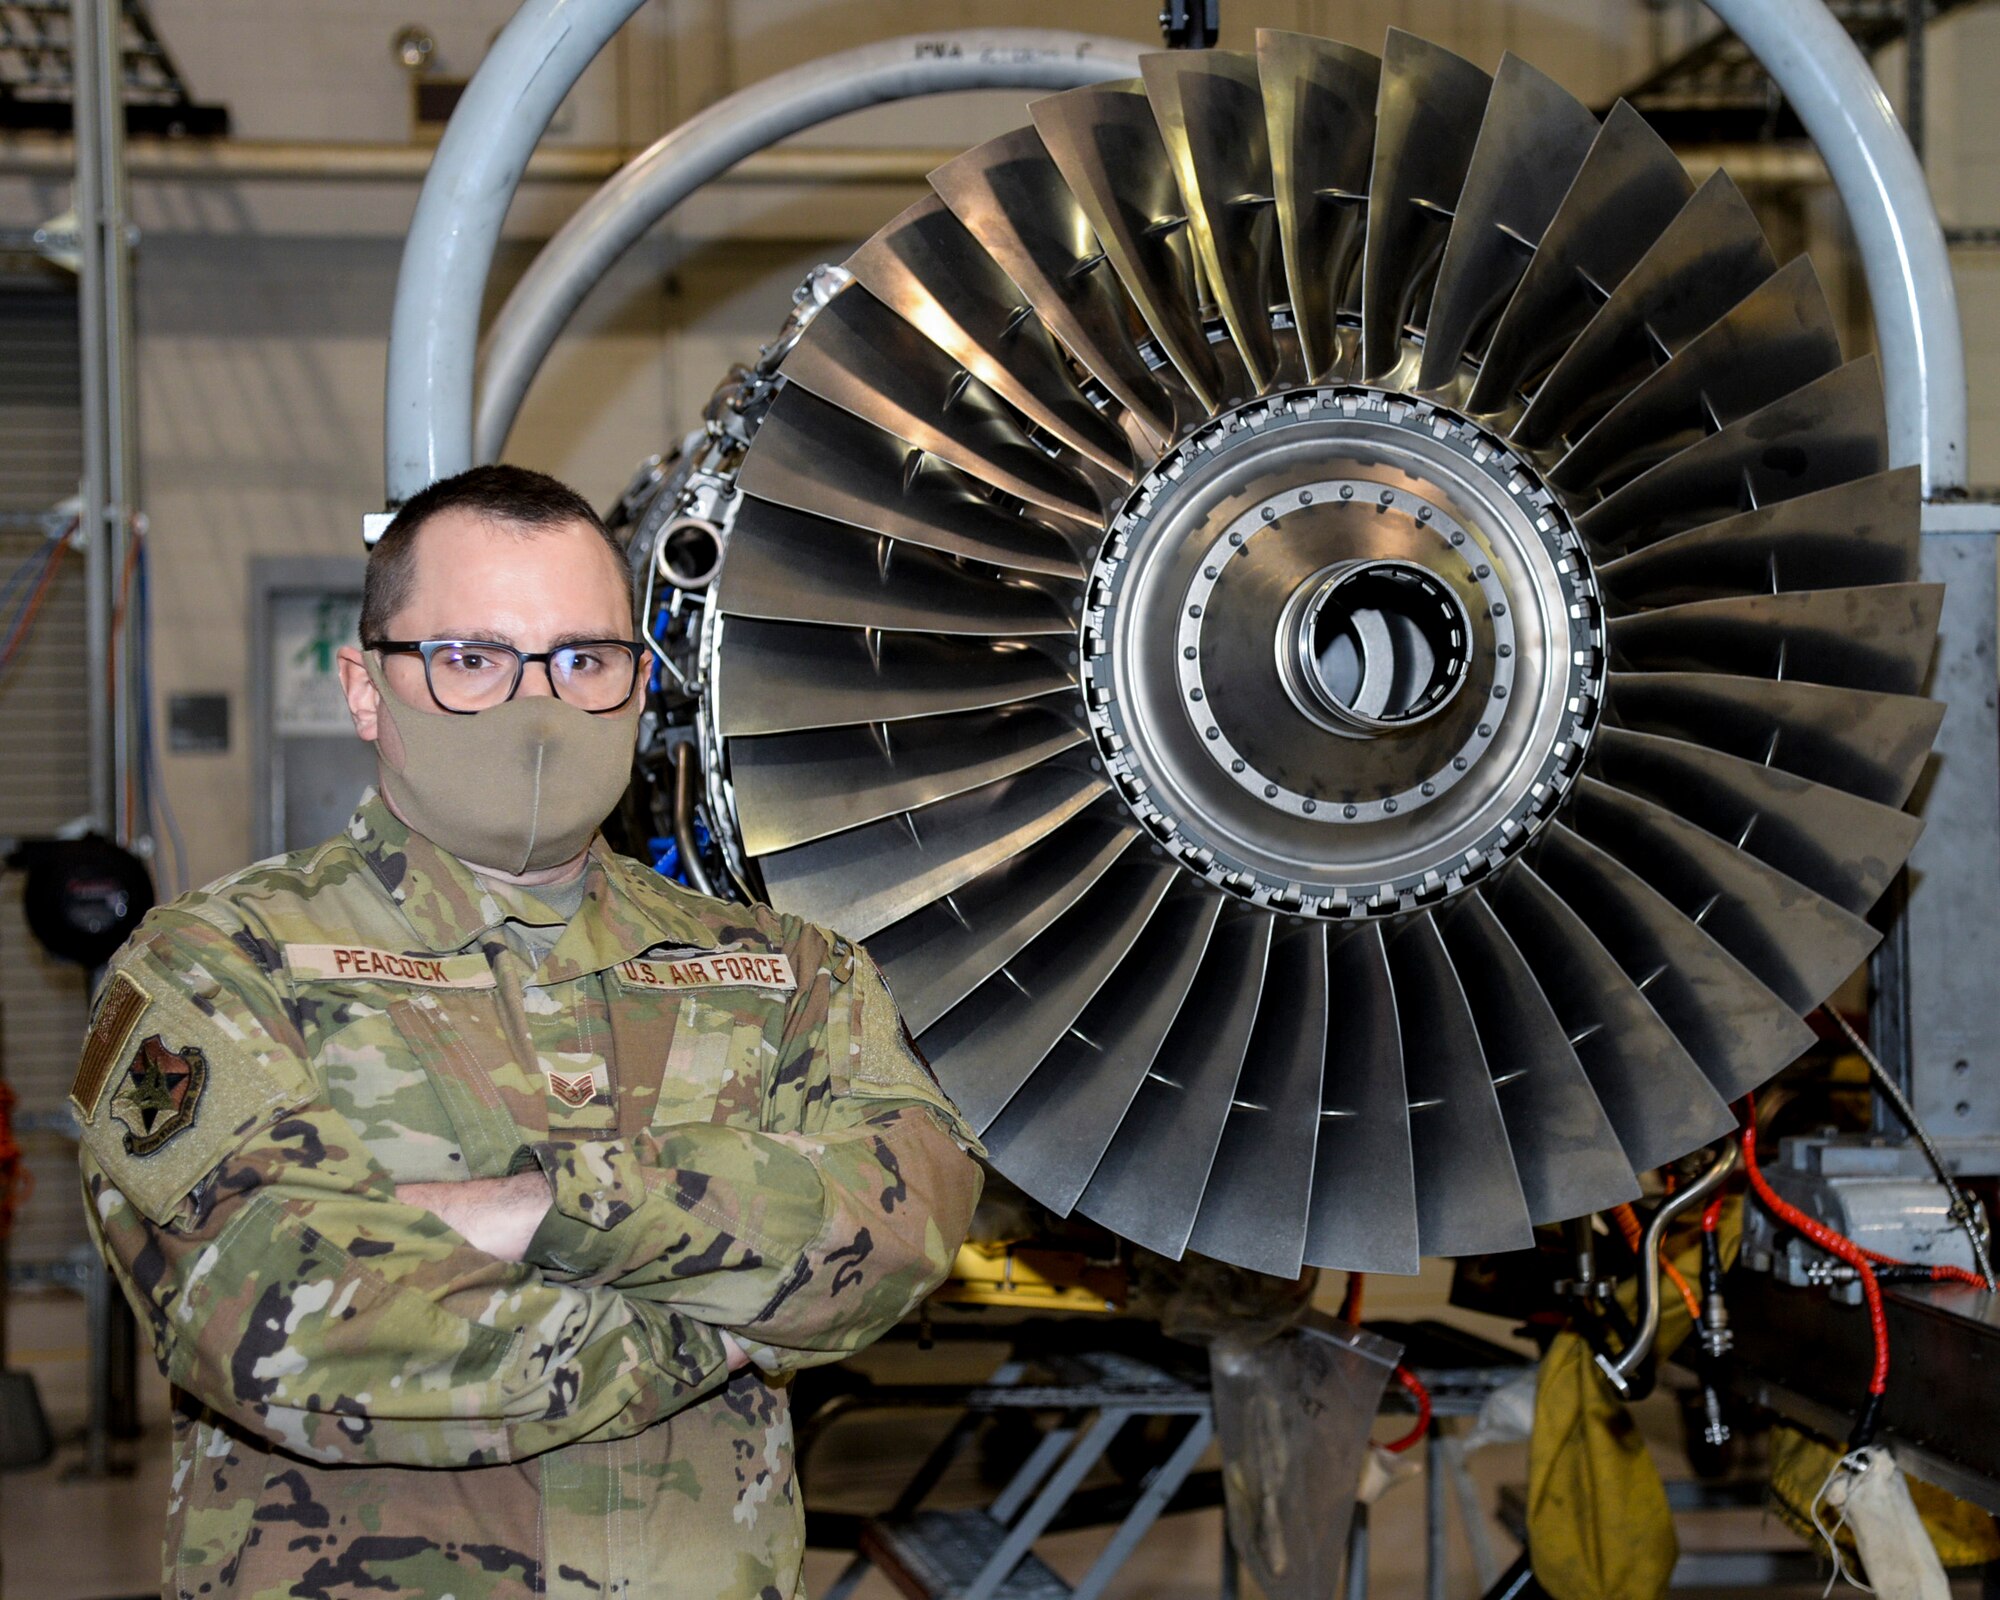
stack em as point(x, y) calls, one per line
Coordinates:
point(475, 1213)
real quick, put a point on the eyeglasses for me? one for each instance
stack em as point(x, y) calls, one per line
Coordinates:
point(468, 675)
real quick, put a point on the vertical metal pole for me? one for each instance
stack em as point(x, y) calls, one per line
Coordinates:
point(121, 488)
point(1916, 16)
point(1437, 1551)
point(86, 91)
point(1357, 1555)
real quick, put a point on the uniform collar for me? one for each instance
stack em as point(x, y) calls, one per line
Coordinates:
point(447, 908)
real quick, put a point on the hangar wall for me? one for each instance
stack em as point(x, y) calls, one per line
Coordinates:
point(263, 306)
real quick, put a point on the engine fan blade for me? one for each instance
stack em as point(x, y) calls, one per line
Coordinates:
point(1777, 339)
point(1629, 188)
point(1469, 1199)
point(1711, 255)
point(1657, 1098)
point(1852, 535)
point(1794, 942)
point(859, 355)
point(817, 458)
point(792, 788)
point(1566, 1153)
point(1256, 1210)
point(1149, 1185)
point(1364, 1199)
point(1426, 123)
point(1010, 197)
point(871, 876)
point(790, 566)
point(1871, 745)
point(1827, 432)
point(939, 954)
point(1319, 108)
point(1738, 1032)
point(1876, 638)
point(1107, 147)
point(1532, 143)
point(933, 273)
point(985, 1047)
point(782, 677)
point(1052, 1134)
point(1210, 110)
point(1839, 846)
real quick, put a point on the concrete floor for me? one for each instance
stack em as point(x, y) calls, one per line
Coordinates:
point(62, 1538)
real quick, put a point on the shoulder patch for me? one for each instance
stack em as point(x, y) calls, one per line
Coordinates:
point(334, 962)
point(159, 1094)
point(124, 1003)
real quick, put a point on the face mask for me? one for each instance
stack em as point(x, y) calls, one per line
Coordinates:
point(519, 788)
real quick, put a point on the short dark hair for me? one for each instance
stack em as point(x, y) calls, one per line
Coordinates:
point(522, 500)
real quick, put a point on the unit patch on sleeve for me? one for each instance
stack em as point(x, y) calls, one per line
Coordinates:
point(159, 1094)
point(124, 1002)
point(717, 969)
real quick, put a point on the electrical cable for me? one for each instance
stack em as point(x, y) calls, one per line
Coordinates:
point(1421, 1397)
point(1961, 1208)
point(1834, 1244)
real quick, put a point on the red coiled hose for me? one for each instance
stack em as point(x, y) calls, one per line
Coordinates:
point(1834, 1244)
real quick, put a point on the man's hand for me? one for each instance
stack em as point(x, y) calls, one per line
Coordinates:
point(496, 1215)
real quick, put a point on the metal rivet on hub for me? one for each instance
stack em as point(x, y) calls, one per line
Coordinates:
point(1429, 787)
point(1486, 730)
point(1215, 733)
point(1388, 805)
point(1458, 762)
point(1305, 497)
point(1499, 691)
point(1194, 611)
point(1194, 694)
point(1309, 807)
point(1482, 571)
point(1270, 513)
point(1209, 572)
point(1499, 608)
point(1388, 497)
point(1270, 791)
point(1506, 650)
point(1424, 514)
point(1458, 538)
point(1350, 811)
point(1236, 765)
point(1347, 491)
point(1236, 538)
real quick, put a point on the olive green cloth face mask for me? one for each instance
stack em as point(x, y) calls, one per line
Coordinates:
point(518, 788)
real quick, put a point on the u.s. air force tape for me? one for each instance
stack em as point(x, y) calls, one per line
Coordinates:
point(717, 969)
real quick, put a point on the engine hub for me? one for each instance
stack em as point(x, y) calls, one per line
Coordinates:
point(1342, 652)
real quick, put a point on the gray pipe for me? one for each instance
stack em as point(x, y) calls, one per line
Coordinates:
point(712, 141)
point(434, 333)
point(1813, 61)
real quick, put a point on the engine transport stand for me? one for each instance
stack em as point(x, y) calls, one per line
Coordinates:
point(987, 1553)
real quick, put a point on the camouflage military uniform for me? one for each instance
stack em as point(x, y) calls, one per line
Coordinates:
point(737, 1137)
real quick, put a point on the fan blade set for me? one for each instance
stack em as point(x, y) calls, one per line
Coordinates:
point(1347, 639)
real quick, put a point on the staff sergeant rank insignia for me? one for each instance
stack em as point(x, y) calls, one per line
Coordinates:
point(159, 1094)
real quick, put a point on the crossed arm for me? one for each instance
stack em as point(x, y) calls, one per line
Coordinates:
point(500, 1216)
